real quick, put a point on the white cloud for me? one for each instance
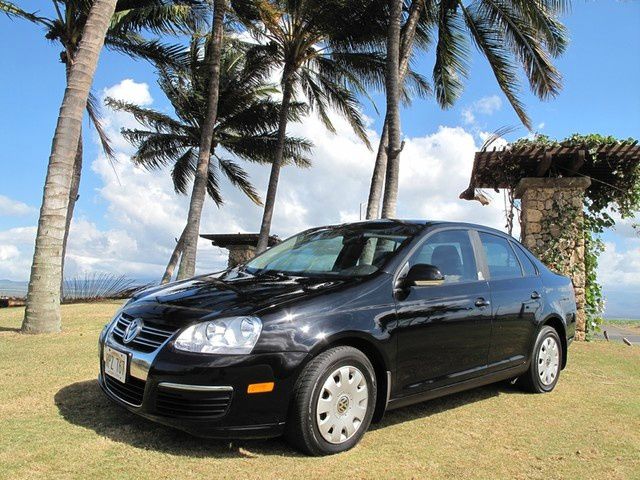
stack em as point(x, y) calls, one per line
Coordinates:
point(130, 91)
point(483, 106)
point(16, 252)
point(14, 208)
point(620, 266)
point(8, 252)
point(467, 115)
point(488, 105)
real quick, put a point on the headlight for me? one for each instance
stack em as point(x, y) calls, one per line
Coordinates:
point(233, 335)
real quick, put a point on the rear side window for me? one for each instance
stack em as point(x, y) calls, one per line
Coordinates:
point(501, 259)
point(527, 265)
point(452, 253)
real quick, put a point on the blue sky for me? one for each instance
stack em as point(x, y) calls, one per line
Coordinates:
point(601, 71)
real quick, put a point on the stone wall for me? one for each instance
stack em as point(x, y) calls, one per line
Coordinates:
point(240, 254)
point(551, 222)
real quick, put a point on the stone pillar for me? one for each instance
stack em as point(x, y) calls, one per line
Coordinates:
point(551, 221)
point(240, 254)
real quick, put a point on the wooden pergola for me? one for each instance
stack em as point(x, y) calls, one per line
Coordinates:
point(552, 182)
point(503, 168)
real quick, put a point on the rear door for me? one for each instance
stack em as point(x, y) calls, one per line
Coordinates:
point(443, 331)
point(515, 295)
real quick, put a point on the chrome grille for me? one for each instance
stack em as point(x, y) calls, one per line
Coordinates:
point(149, 339)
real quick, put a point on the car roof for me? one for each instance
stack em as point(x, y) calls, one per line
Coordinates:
point(426, 223)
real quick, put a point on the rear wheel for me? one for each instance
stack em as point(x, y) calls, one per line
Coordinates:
point(544, 372)
point(333, 402)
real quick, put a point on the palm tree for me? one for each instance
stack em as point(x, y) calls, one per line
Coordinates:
point(508, 34)
point(246, 123)
point(296, 33)
point(414, 31)
point(123, 35)
point(42, 313)
point(392, 118)
point(190, 235)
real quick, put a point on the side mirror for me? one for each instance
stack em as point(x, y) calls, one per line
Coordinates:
point(422, 275)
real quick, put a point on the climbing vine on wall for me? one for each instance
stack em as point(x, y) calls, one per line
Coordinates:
point(615, 188)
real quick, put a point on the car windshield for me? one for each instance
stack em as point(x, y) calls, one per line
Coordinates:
point(345, 251)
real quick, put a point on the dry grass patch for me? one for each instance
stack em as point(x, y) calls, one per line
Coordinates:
point(55, 423)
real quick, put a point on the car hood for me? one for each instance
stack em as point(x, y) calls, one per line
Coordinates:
point(228, 294)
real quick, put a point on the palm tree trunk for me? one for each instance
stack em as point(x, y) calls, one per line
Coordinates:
point(377, 178)
point(392, 82)
point(379, 169)
point(270, 199)
point(173, 261)
point(188, 263)
point(42, 312)
point(73, 198)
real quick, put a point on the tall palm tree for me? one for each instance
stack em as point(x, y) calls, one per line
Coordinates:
point(298, 35)
point(246, 123)
point(123, 35)
point(392, 118)
point(415, 31)
point(509, 33)
point(42, 313)
point(190, 235)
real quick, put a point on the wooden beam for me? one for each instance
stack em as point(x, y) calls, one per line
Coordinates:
point(544, 165)
point(577, 161)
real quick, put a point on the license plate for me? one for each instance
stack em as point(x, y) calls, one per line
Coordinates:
point(115, 364)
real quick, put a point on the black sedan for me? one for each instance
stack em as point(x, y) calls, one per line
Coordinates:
point(321, 334)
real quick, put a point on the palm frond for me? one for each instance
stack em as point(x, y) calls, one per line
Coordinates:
point(154, 51)
point(239, 179)
point(149, 118)
point(543, 17)
point(13, 11)
point(522, 39)
point(490, 41)
point(451, 55)
point(160, 17)
point(93, 110)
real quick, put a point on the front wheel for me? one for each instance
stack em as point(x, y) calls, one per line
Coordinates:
point(544, 372)
point(333, 402)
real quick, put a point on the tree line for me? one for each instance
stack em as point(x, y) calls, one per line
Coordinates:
point(329, 56)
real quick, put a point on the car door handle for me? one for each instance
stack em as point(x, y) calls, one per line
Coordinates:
point(535, 295)
point(481, 302)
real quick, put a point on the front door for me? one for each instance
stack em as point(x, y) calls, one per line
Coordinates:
point(443, 330)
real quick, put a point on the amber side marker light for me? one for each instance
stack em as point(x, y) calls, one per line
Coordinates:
point(260, 387)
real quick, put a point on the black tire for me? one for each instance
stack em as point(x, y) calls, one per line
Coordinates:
point(531, 381)
point(302, 429)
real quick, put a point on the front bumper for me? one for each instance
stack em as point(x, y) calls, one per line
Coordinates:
point(205, 395)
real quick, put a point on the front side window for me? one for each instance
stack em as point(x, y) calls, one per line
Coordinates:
point(452, 253)
point(501, 259)
point(347, 250)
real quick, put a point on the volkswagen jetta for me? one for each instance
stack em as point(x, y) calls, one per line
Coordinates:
point(321, 334)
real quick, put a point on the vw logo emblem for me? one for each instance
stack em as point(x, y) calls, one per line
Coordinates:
point(132, 330)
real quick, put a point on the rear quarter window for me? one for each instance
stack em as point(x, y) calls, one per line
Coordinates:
point(527, 265)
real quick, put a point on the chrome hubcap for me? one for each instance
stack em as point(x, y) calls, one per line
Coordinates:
point(342, 404)
point(548, 361)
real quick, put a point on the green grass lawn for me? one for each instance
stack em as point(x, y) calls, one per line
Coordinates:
point(56, 423)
